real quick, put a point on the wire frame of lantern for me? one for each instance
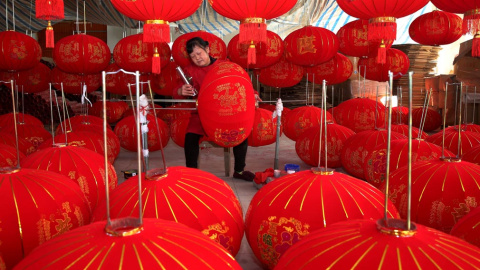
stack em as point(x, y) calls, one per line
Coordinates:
point(14, 120)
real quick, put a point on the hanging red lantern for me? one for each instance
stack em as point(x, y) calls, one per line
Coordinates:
point(217, 47)
point(375, 164)
point(19, 51)
point(286, 210)
point(83, 166)
point(374, 244)
point(133, 54)
point(264, 130)
point(472, 155)
point(334, 71)
point(75, 83)
point(267, 53)
point(126, 131)
point(32, 133)
point(178, 129)
point(353, 40)
point(165, 82)
point(226, 104)
point(281, 74)
point(443, 191)
point(403, 129)
point(49, 10)
point(360, 114)
point(24, 146)
point(431, 121)
point(467, 227)
point(303, 118)
point(8, 156)
point(358, 146)
point(36, 206)
point(311, 46)
point(114, 110)
point(156, 243)
point(192, 197)
point(468, 139)
point(30, 81)
point(436, 28)
point(82, 54)
point(308, 143)
point(396, 62)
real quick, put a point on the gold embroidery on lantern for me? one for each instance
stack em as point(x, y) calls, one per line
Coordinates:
point(19, 49)
point(305, 45)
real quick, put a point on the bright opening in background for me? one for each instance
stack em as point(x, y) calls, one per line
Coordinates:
point(384, 101)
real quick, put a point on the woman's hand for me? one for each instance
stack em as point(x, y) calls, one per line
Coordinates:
point(187, 90)
point(257, 100)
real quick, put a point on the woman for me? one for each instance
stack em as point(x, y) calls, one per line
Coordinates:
point(202, 63)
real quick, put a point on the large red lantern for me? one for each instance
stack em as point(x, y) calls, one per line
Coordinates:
point(81, 54)
point(428, 118)
point(360, 114)
point(310, 46)
point(6, 120)
point(399, 115)
point(334, 71)
point(217, 47)
point(118, 83)
point(83, 166)
point(353, 40)
point(226, 104)
point(443, 191)
point(436, 28)
point(36, 206)
point(49, 10)
point(281, 74)
point(467, 227)
point(308, 143)
point(82, 120)
point(303, 118)
point(472, 155)
point(468, 139)
point(75, 83)
point(396, 62)
point(288, 209)
point(379, 244)
point(32, 133)
point(19, 51)
point(153, 244)
point(267, 53)
point(189, 196)
point(464, 127)
point(8, 156)
point(24, 146)
point(403, 129)
point(126, 131)
point(31, 80)
point(114, 110)
point(359, 145)
point(264, 130)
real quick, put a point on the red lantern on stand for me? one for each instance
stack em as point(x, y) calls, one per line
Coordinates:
point(310, 46)
point(396, 62)
point(115, 110)
point(217, 46)
point(403, 129)
point(472, 155)
point(32, 133)
point(19, 51)
point(82, 120)
point(464, 127)
point(288, 209)
point(6, 120)
point(467, 227)
point(82, 54)
point(399, 115)
point(264, 130)
point(127, 133)
point(8, 156)
point(469, 140)
point(36, 206)
point(49, 10)
point(24, 146)
point(360, 114)
point(75, 83)
point(436, 28)
point(281, 74)
point(431, 121)
point(267, 53)
point(118, 83)
point(31, 80)
point(334, 71)
point(226, 104)
point(302, 118)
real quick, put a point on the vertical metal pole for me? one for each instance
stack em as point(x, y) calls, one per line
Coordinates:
point(410, 97)
point(389, 139)
point(459, 145)
point(105, 161)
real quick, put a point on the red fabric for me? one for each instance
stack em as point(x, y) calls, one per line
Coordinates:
point(261, 177)
point(436, 28)
point(19, 51)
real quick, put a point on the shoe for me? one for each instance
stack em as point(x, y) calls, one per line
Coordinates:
point(245, 175)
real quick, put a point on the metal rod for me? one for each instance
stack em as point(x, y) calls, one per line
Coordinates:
point(278, 110)
point(324, 112)
point(139, 147)
point(409, 200)
point(104, 108)
point(376, 109)
point(389, 140)
point(444, 120)
point(456, 104)
point(459, 145)
point(51, 113)
point(15, 124)
point(158, 129)
point(474, 101)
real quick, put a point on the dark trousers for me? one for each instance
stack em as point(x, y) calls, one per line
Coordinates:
point(192, 150)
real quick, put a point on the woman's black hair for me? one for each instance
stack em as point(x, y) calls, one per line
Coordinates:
point(196, 42)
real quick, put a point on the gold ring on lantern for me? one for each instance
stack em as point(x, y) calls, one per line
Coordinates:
point(323, 171)
point(124, 227)
point(396, 227)
point(451, 159)
point(382, 20)
point(253, 20)
point(156, 22)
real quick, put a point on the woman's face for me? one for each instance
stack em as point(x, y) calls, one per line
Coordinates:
point(200, 56)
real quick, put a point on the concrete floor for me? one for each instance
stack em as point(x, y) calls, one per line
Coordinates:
point(212, 160)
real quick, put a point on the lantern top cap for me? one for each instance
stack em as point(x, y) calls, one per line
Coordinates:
point(8, 170)
point(124, 227)
point(396, 227)
point(156, 174)
point(322, 171)
point(451, 159)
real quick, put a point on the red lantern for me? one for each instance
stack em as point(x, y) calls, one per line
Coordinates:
point(133, 54)
point(403, 129)
point(436, 28)
point(467, 227)
point(367, 244)
point(74, 83)
point(334, 71)
point(472, 155)
point(311, 46)
point(307, 145)
point(82, 54)
point(81, 165)
point(431, 119)
point(6, 120)
point(32, 133)
point(19, 51)
point(360, 114)
point(165, 82)
point(49, 10)
point(178, 110)
point(178, 129)
point(118, 83)
point(468, 139)
point(80, 120)
point(36, 206)
point(24, 146)
point(192, 197)
point(217, 46)
point(358, 146)
point(288, 209)
point(226, 104)
point(396, 62)
point(399, 115)
point(264, 130)
point(443, 191)
point(8, 156)
point(464, 127)
point(267, 53)
point(126, 130)
point(281, 74)
point(32, 80)
point(375, 164)
point(353, 40)
point(115, 110)
point(303, 118)
point(156, 243)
